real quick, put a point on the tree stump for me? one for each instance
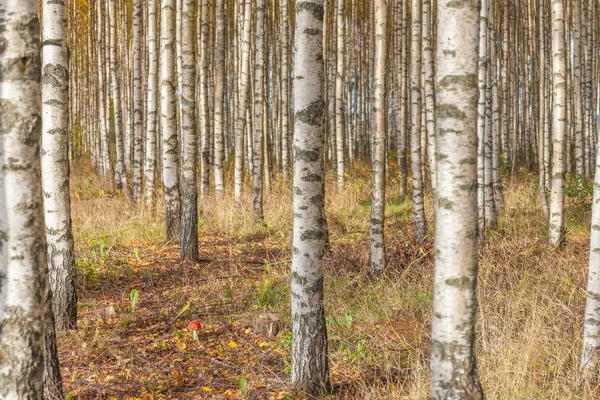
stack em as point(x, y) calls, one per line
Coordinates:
point(267, 324)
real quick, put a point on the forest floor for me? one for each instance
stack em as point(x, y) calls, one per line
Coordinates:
point(136, 299)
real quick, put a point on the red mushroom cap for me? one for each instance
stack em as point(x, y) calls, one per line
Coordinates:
point(195, 326)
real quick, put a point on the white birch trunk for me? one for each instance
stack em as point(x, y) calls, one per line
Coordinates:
point(189, 195)
point(120, 173)
point(258, 127)
point(420, 228)
point(242, 121)
point(559, 125)
point(378, 259)
point(339, 94)
point(452, 344)
point(219, 95)
point(310, 371)
point(138, 106)
point(55, 163)
point(151, 106)
point(22, 247)
point(168, 121)
point(481, 84)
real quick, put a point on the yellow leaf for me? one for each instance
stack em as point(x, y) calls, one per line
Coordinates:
point(233, 345)
point(207, 389)
point(190, 369)
point(181, 345)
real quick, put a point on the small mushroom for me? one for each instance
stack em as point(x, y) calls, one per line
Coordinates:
point(195, 326)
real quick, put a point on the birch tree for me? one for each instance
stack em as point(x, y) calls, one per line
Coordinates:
point(310, 370)
point(591, 326)
point(559, 125)
point(22, 249)
point(378, 260)
point(339, 95)
point(138, 108)
point(452, 345)
point(242, 103)
point(420, 228)
point(189, 195)
point(55, 163)
point(286, 158)
point(168, 121)
point(259, 71)
point(428, 70)
point(151, 106)
point(120, 172)
point(219, 96)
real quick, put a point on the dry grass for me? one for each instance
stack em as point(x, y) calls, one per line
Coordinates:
point(531, 297)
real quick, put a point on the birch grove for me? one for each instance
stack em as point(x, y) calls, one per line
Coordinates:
point(299, 199)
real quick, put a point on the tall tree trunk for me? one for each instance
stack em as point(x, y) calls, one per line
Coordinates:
point(559, 126)
point(452, 344)
point(120, 173)
point(481, 84)
point(339, 94)
point(151, 106)
point(259, 62)
point(55, 162)
point(242, 121)
point(104, 112)
point(420, 228)
point(428, 71)
point(286, 157)
point(219, 95)
point(168, 121)
point(378, 259)
point(189, 195)
point(203, 97)
point(591, 326)
point(60, 261)
point(310, 370)
point(138, 106)
point(23, 252)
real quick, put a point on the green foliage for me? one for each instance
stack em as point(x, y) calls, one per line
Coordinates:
point(286, 340)
point(581, 190)
point(133, 300)
point(243, 384)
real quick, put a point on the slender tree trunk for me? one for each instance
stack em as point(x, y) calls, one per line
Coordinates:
point(591, 326)
point(339, 94)
point(429, 88)
point(420, 228)
point(55, 162)
point(138, 106)
point(452, 344)
point(404, 93)
point(497, 129)
point(542, 108)
point(204, 96)
point(378, 260)
point(310, 371)
point(219, 95)
point(168, 121)
point(481, 79)
point(151, 106)
point(242, 121)
point(104, 112)
point(120, 173)
point(559, 126)
point(259, 62)
point(286, 157)
point(23, 252)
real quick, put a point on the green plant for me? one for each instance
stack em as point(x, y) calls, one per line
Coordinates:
point(133, 300)
point(286, 340)
point(243, 384)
